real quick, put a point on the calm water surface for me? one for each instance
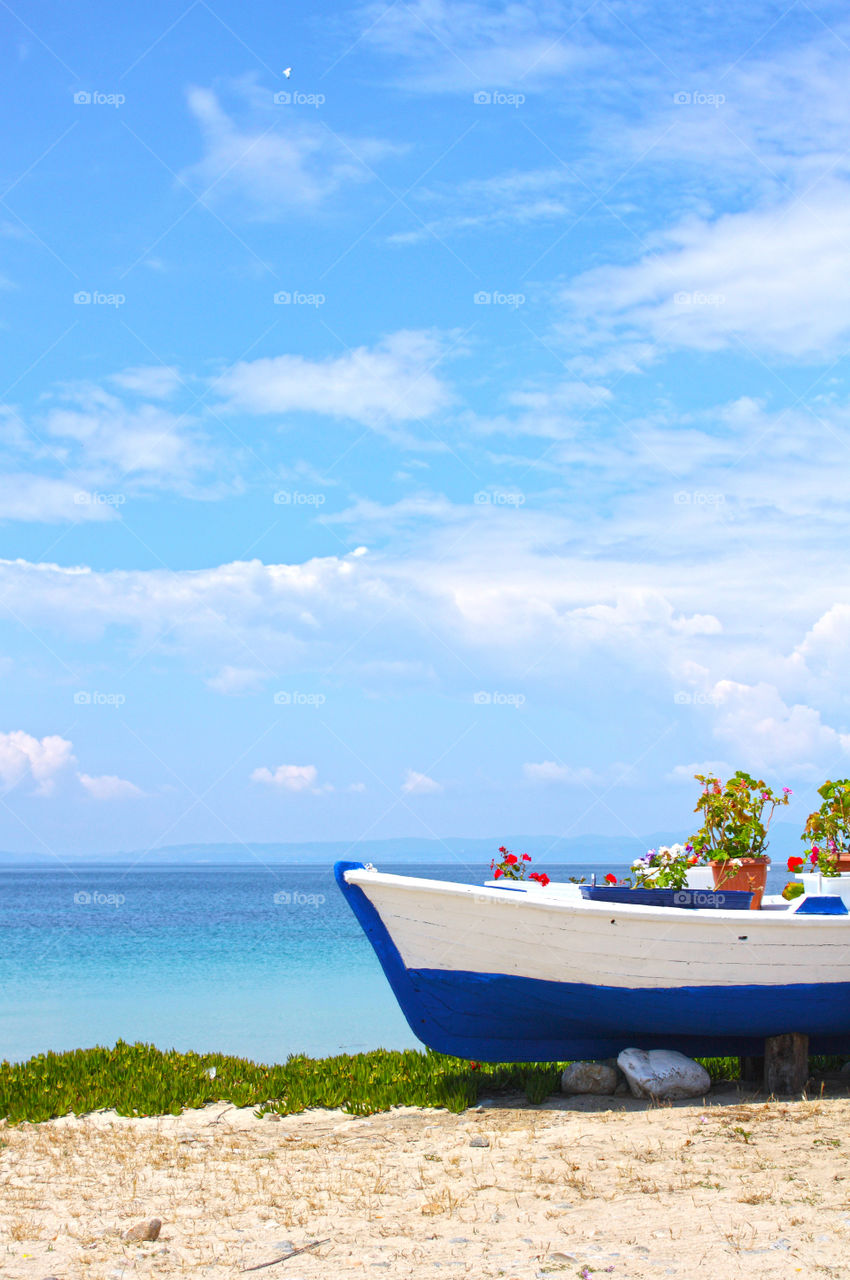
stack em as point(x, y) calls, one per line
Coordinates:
point(255, 962)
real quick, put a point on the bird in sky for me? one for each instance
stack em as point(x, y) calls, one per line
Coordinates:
point(287, 71)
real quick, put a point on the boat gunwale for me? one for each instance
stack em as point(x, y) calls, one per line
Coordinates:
point(637, 911)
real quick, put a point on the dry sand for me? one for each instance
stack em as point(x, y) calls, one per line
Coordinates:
point(575, 1187)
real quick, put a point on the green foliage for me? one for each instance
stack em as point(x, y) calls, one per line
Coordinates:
point(139, 1080)
point(735, 823)
point(827, 829)
point(142, 1080)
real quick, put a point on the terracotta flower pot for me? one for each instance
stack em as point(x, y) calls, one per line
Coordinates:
point(751, 878)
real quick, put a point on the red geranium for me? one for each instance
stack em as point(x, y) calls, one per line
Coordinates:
point(541, 878)
point(610, 878)
point(511, 867)
point(794, 864)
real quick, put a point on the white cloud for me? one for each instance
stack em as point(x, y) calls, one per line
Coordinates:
point(391, 382)
point(29, 497)
point(279, 161)
point(767, 733)
point(550, 771)
point(40, 760)
point(510, 199)
point(685, 772)
point(288, 777)
point(158, 381)
point(109, 787)
point(235, 680)
point(419, 784)
point(457, 45)
point(765, 276)
point(144, 441)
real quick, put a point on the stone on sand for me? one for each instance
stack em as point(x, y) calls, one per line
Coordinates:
point(589, 1077)
point(663, 1074)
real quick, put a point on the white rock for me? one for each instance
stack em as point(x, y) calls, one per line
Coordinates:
point(663, 1073)
point(589, 1077)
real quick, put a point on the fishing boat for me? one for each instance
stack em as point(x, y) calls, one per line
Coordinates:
point(542, 974)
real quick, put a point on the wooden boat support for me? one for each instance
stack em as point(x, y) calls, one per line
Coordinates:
point(541, 975)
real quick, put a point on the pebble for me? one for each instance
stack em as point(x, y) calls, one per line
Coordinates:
point(479, 1142)
point(144, 1230)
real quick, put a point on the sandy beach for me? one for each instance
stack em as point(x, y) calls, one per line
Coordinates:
point(733, 1186)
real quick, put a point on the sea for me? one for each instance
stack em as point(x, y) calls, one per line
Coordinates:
point(260, 962)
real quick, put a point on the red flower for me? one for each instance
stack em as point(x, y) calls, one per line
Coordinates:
point(794, 864)
point(473, 1066)
point(511, 859)
point(541, 877)
point(497, 873)
point(502, 849)
point(526, 857)
point(813, 857)
point(610, 878)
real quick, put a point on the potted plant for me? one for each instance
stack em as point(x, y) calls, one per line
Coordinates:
point(666, 867)
point(736, 816)
point(828, 828)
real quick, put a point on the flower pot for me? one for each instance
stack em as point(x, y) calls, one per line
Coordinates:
point(834, 886)
point(810, 880)
point(752, 876)
point(700, 878)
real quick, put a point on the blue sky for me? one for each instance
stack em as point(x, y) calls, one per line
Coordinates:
point(449, 437)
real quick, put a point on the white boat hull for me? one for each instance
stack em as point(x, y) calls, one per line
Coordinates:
point(499, 975)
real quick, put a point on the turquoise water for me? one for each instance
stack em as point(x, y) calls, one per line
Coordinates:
point(195, 958)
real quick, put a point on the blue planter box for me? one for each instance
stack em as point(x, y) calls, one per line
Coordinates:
point(689, 899)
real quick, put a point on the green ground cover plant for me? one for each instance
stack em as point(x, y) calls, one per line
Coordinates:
point(140, 1080)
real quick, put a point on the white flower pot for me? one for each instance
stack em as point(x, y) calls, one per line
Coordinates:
point(810, 881)
point(700, 878)
point(835, 886)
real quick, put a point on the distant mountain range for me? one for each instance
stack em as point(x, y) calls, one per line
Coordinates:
point(554, 850)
